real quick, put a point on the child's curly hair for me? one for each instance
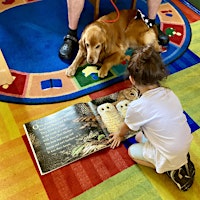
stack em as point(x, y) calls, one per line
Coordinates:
point(146, 66)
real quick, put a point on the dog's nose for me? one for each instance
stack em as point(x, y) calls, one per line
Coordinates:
point(90, 60)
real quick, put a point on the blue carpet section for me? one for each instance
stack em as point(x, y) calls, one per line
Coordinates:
point(31, 34)
point(51, 83)
point(127, 143)
point(188, 59)
point(193, 125)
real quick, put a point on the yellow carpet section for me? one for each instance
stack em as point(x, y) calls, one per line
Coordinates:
point(186, 86)
point(8, 129)
point(195, 41)
point(18, 177)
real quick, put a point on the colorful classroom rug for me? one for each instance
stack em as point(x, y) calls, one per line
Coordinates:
point(108, 174)
point(31, 33)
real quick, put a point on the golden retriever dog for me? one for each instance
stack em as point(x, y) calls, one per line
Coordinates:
point(106, 43)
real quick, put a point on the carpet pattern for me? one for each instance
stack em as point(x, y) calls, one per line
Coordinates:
point(129, 184)
point(108, 174)
point(39, 77)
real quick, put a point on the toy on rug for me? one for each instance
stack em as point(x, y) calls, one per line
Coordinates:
point(90, 70)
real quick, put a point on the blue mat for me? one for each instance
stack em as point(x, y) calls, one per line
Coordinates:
point(31, 35)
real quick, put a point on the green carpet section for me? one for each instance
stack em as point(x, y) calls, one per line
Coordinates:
point(128, 184)
point(195, 40)
point(196, 3)
point(186, 86)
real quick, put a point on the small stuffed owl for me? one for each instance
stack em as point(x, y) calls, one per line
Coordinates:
point(122, 107)
point(110, 117)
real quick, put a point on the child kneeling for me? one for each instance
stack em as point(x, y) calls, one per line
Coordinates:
point(165, 136)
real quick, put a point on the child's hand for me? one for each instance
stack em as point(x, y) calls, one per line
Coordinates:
point(115, 140)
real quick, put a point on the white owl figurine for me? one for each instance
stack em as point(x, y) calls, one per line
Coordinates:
point(110, 117)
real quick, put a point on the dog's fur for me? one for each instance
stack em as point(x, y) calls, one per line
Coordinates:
point(106, 43)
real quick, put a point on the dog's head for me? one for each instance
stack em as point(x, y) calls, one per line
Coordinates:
point(93, 41)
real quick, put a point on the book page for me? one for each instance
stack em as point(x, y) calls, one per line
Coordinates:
point(65, 136)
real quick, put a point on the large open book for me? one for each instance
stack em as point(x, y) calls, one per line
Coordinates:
point(77, 131)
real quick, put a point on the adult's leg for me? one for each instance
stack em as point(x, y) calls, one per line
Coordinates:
point(75, 8)
point(153, 6)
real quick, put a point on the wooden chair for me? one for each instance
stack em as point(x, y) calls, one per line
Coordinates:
point(96, 4)
point(5, 75)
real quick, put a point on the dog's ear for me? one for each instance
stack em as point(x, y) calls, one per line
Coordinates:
point(82, 40)
point(81, 43)
point(105, 43)
point(82, 46)
point(105, 46)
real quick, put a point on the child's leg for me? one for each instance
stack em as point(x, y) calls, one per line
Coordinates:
point(140, 137)
point(135, 151)
point(184, 176)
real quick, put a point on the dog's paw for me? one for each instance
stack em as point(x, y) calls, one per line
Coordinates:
point(70, 71)
point(102, 73)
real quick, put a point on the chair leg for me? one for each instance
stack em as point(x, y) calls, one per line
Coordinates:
point(133, 4)
point(96, 10)
point(96, 4)
point(5, 74)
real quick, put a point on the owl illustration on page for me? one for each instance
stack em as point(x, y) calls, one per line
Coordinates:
point(122, 107)
point(110, 117)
